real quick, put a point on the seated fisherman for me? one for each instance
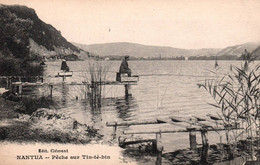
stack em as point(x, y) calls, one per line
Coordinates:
point(124, 67)
point(64, 66)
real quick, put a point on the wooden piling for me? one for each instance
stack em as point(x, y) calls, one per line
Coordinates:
point(98, 95)
point(128, 90)
point(20, 89)
point(205, 146)
point(192, 137)
point(10, 84)
point(159, 148)
point(114, 130)
point(51, 87)
point(92, 94)
point(7, 83)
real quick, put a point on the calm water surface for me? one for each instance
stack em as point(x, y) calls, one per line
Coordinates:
point(165, 88)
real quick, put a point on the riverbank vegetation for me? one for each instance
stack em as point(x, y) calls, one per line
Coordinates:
point(237, 95)
point(27, 121)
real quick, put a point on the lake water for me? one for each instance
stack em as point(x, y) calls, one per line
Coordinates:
point(165, 88)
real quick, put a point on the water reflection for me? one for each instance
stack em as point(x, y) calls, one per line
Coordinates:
point(64, 94)
point(125, 106)
point(176, 95)
point(96, 117)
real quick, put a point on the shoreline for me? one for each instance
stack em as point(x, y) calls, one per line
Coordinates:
point(49, 126)
point(44, 125)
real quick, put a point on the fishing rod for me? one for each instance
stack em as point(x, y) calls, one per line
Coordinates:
point(177, 75)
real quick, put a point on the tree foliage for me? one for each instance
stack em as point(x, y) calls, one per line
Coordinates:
point(14, 34)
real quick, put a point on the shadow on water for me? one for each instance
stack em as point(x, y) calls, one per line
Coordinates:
point(125, 106)
point(64, 94)
point(96, 117)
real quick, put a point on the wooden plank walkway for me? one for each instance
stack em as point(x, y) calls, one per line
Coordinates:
point(171, 130)
point(4, 77)
point(190, 125)
point(73, 83)
point(186, 124)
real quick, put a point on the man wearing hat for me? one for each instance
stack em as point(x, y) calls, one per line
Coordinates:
point(124, 67)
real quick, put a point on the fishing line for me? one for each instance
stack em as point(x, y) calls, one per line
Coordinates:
point(176, 75)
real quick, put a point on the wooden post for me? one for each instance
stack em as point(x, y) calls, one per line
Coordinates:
point(20, 79)
point(93, 94)
point(42, 79)
point(128, 90)
point(51, 90)
point(159, 148)
point(114, 131)
point(98, 93)
point(63, 78)
point(192, 137)
point(205, 145)
point(7, 83)
point(20, 89)
point(10, 84)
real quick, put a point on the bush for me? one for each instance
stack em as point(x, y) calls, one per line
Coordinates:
point(10, 66)
point(33, 103)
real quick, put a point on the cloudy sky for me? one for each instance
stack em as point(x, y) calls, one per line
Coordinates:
point(176, 23)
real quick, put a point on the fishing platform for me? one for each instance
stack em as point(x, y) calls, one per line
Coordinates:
point(93, 88)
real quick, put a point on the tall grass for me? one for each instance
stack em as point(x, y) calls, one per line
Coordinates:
point(237, 95)
point(96, 73)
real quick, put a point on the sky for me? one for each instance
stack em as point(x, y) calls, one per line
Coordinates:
point(189, 24)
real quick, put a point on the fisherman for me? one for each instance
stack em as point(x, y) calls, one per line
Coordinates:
point(124, 67)
point(64, 66)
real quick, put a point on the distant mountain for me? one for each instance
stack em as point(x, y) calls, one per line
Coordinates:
point(139, 50)
point(23, 34)
point(237, 50)
point(256, 53)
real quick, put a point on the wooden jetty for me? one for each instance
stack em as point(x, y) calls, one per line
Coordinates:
point(93, 88)
point(11, 79)
point(190, 125)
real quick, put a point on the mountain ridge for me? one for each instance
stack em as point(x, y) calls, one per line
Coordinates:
point(239, 49)
point(24, 34)
point(141, 50)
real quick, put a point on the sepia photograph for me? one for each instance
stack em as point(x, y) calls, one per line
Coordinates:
point(130, 82)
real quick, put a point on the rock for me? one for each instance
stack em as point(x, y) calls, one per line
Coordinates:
point(61, 127)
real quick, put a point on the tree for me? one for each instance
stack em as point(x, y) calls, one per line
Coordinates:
point(14, 34)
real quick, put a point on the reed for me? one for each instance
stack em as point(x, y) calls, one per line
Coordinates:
point(237, 95)
point(95, 73)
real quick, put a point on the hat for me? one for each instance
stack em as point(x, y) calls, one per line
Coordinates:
point(63, 60)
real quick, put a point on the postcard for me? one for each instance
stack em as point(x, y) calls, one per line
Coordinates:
point(129, 82)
